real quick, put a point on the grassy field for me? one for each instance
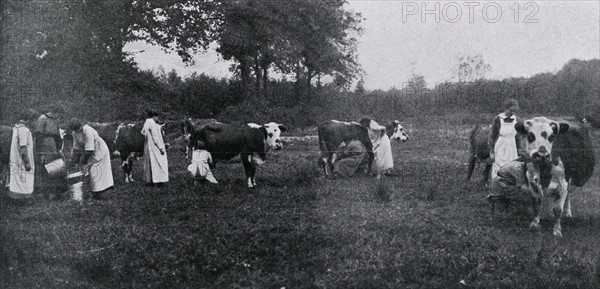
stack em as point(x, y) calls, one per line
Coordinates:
point(426, 227)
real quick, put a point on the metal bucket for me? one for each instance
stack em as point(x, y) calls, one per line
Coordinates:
point(56, 168)
point(75, 182)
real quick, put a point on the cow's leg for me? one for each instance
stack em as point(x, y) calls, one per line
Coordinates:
point(125, 167)
point(558, 209)
point(487, 172)
point(247, 163)
point(331, 163)
point(324, 162)
point(472, 161)
point(567, 206)
point(131, 159)
point(537, 207)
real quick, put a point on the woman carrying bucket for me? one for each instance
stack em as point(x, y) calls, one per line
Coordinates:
point(90, 150)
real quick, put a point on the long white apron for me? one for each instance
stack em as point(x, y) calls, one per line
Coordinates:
point(99, 168)
point(21, 181)
point(505, 149)
point(382, 148)
point(156, 166)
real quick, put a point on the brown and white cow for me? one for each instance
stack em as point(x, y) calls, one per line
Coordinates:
point(251, 142)
point(549, 143)
point(331, 135)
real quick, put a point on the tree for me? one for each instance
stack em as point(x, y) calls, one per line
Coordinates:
point(416, 84)
point(309, 38)
point(470, 68)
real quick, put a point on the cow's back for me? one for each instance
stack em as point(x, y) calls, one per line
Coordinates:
point(575, 149)
point(332, 134)
point(224, 141)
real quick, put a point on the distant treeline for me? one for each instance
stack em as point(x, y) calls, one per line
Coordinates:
point(574, 91)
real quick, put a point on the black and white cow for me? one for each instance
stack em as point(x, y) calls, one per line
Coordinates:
point(251, 142)
point(395, 131)
point(331, 135)
point(550, 143)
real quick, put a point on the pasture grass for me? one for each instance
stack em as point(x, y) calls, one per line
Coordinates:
point(423, 227)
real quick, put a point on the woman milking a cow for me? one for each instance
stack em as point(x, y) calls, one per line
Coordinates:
point(353, 157)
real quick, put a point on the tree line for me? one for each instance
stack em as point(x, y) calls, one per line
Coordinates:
point(71, 52)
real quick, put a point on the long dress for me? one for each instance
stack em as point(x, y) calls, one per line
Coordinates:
point(156, 166)
point(21, 181)
point(199, 166)
point(382, 149)
point(47, 150)
point(99, 169)
point(505, 148)
point(352, 159)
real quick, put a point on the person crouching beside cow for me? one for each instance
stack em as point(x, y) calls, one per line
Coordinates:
point(511, 182)
point(351, 159)
point(200, 166)
point(156, 166)
point(90, 151)
point(22, 166)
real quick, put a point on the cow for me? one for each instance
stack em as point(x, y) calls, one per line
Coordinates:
point(251, 142)
point(129, 145)
point(124, 140)
point(5, 143)
point(332, 133)
point(479, 151)
point(395, 131)
point(189, 125)
point(549, 143)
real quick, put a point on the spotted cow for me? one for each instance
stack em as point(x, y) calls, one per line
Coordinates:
point(331, 135)
point(396, 131)
point(251, 142)
point(549, 144)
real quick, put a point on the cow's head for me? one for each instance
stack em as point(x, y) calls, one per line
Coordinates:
point(272, 134)
point(398, 133)
point(540, 134)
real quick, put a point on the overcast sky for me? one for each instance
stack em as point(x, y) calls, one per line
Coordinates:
point(399, 39)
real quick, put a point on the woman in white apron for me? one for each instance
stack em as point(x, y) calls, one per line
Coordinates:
point(91, 150)
point(382, 149)
point(156, 166)
point(22, 167)
point(503, 137)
